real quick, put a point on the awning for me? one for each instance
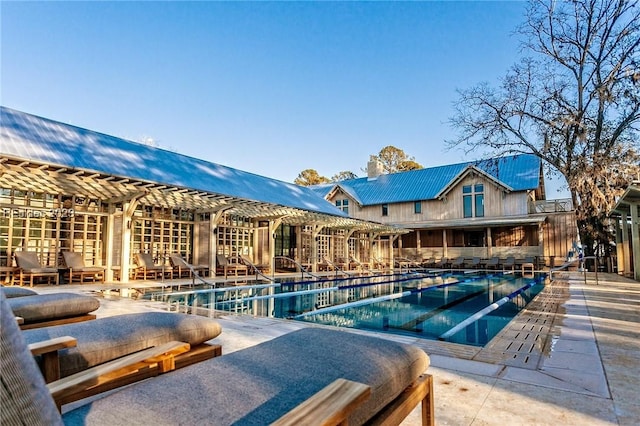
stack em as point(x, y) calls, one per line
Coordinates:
point(630, 197)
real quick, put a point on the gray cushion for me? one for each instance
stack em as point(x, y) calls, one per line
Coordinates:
point(109, 338)
point(43, 307)
point(24, 395)
point(11, 292)
point(259, 384)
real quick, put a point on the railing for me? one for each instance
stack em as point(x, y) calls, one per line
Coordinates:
point(581, 265)
point(337, 268)
point(299, 265)
point(257, 270)
point(551, 206)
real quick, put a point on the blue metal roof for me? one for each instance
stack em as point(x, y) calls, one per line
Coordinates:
point(38, 139)
point(518, 172)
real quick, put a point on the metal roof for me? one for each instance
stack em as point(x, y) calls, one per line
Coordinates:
point(517, 173)
point(43, 155)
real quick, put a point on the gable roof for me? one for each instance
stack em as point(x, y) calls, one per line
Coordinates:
point(513, 173)
point(34, 138)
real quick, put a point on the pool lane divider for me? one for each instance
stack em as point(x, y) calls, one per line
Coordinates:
point(483, 312)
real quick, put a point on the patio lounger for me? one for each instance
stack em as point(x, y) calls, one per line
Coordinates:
point(509, 263)
point(180, 266)
point(77, 268)
point(458, 262)
point(44, 310)
point(106, 339)
point(262, 268)
point(31, 268)
point(231, 265)
point(492, 263)
point(15, 291)
point(475, 263)
point(146, 267)
point(442, 263)
point(260, 384)
point(257, 385)
point(429, 263)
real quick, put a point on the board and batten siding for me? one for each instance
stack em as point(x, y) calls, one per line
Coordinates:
point(497, 203)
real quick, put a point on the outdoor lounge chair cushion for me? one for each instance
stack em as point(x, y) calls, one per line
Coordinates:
point(105, 339)
point(43, 307)
point(13, 291)
point(24, 395)
point(259, 384)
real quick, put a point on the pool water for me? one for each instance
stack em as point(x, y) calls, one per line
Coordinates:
point(436, 311)
point(462, 308)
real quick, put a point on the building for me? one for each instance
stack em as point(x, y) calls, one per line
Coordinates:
point(628, 231)
point(65, 188)
point(489, 208)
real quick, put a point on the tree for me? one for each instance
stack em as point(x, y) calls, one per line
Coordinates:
point(310, 177)
point(345, 175)
point(395, 160)
point(574, 102)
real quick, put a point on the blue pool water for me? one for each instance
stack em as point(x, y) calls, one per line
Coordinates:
point(466, 308)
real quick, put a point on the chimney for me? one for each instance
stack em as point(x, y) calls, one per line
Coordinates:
point(374, 168)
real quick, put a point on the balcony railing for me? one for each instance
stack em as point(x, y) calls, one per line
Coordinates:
point(551, 206)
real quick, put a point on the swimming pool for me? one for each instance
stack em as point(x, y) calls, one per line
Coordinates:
point(462, 308)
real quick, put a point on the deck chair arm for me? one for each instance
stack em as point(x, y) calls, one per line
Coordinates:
point(20, 320)
point(52, 345)
point(162, 355)
point(48, 351)
point(330, 406)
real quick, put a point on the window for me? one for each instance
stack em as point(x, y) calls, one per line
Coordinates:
point(417, 207)
point(343, 205)
point(473, 200)
point(385, 210)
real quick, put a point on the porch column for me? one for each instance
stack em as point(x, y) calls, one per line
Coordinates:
point(489, 244)
point(445, 251)
point(109, 243)
point(625, 245)
point(125, 248)
point(635, 240)
point(619, 248)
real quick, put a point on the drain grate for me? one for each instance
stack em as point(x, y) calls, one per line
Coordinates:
point(522, 343)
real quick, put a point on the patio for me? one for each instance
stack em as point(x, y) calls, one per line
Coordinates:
point(571, 358)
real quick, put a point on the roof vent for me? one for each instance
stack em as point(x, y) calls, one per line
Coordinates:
point(374, 168)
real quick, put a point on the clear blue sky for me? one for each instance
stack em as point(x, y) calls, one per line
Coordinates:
point(272, 88)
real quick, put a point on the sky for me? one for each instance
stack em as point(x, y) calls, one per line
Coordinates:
point(272, 88)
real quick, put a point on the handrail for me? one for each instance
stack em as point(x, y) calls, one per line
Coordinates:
point(361, 265)
point(400, 259)
point(571, 262)
point(256, 270)
point(336, 267)
point(299, 265)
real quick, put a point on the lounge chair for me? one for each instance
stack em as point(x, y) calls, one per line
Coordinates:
point(492, 263)
point(44, 310)
point(77, 268)
point(106, 339)
point(475, 263)
point(181, 267)
point(429, 262)
point(146, 267)
point(458, 262)
point(15, 291)
point(262, 268)
point(31, 268)
point(442, 263)
point(257, 385)
point(509, 263)
point(233, 264)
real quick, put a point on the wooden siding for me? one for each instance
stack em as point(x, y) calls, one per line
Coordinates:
point(497, 203)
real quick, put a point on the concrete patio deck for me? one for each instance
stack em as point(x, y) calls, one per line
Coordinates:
point(572, 357)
